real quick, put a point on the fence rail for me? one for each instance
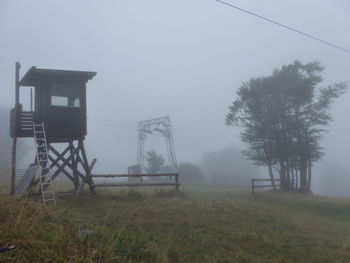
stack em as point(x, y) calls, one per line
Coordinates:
point(175, 175)
point(272, 181)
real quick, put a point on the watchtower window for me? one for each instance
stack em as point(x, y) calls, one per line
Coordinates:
point(65, 96)
point(59, 101)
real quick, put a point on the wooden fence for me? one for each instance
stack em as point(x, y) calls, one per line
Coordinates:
point(256, 183)
point(176, 183)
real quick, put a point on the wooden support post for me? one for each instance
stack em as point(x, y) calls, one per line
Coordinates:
point(74, 163)
point(253, 186)
point(81, 186)
point(177, 182)
point(86, 168)
point(31, 100)
point(14, 141)
point(66, 162)
point(62, 169)
point(13, 166)
point(59, 155)
point(70, 165)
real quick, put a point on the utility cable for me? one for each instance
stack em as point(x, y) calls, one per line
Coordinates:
point(182, 138)
point(285, 26)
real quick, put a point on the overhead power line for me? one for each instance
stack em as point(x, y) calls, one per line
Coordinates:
point(114, 122)
point(182, 138)
point(285, 26)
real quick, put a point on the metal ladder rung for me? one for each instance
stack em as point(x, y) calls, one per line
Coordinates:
point(42, 157)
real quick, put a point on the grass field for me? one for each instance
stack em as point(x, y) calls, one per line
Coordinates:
point(194, 226)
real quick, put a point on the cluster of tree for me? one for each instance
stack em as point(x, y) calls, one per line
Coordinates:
point(188, 172)
point(283, 118)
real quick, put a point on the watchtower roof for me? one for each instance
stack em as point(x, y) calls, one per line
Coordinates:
point(35, 75)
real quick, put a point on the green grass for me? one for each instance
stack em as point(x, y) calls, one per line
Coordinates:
point(193, 226)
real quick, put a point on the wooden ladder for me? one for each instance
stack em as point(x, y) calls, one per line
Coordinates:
point(42, 158)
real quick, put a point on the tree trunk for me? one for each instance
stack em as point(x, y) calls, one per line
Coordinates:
point(308, 185)
point(293, 179)
point(283, 184)
point(271, 176)
point(303, 176)
point(288, 180)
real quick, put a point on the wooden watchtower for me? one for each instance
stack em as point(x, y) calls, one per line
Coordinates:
point(59, 103)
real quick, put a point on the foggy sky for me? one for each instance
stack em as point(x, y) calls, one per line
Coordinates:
point(183, 58)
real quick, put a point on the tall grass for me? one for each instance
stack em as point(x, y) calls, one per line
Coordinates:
point(164, 226)
point(43, 234)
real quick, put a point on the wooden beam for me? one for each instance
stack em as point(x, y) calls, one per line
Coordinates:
point(81, 186)
point(13, 166)
point(133, 175)
point(177, 182)
point(18, 66)
point(273, 185)
point(265, 180)
point(143, 184)
point(74, 164)
point(264, 186)
point(63, 170)
point(86, 167)
point(65, 160)
point(14, 141)
point(59, 155)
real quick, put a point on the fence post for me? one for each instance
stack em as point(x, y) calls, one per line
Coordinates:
point(252, 186)
point(177, 182)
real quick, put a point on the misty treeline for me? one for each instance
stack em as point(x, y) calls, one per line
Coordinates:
point(228, 167)
point(283, 117)
point(188, 172)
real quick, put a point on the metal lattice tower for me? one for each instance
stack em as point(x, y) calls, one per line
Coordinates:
point(162, 126)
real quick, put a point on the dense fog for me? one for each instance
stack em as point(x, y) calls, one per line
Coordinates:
point(183, 59)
